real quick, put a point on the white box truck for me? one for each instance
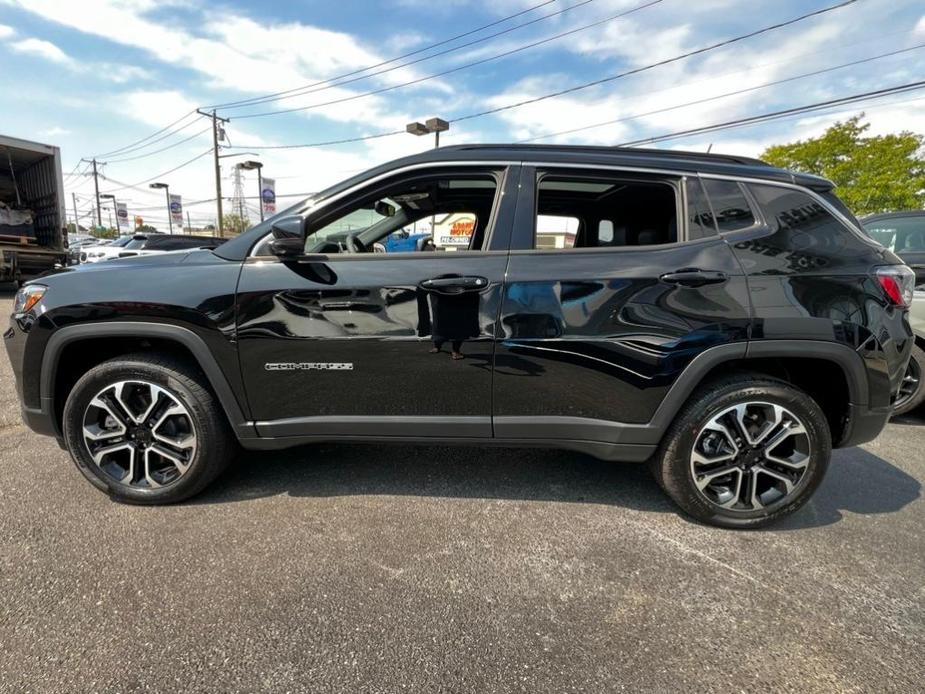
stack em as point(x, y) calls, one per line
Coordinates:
point(33, 226)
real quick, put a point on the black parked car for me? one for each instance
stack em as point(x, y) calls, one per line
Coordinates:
point(726, 321)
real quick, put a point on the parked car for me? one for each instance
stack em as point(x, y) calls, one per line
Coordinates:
point(726, 321)
point(912, 390)
point(904, 234)
point(148, 244)
point(106, 249)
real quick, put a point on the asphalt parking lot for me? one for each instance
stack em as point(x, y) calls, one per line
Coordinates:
point(409, 568)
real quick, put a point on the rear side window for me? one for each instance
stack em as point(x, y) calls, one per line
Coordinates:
point(730, 205)
point(596, 209)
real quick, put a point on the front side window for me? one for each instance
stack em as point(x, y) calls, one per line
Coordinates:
point(439, 214)
point(730, 205)
point(578, 210)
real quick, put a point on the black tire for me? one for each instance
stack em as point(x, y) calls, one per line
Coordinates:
point(673, 465)
point(215, 445)
point(914, 393)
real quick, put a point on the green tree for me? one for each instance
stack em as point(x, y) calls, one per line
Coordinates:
point(235, 224)
point(144, 229)
point(873, 173)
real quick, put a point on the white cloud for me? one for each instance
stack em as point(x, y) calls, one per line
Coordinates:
point(920, 27)
point(42, 49)
point(239, 54)
point(6, 31)
point(55, 131)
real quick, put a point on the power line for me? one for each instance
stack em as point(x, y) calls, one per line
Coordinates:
point(307, 90)
point(458, 68)
point(144, 139)
point(661, 63)
point(162, 174)
point(774, 115)
point(268, 97)
point(575, 88)
point(162, 149)
point(723, 96)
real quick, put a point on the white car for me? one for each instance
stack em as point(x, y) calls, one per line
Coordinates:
point(94, 254)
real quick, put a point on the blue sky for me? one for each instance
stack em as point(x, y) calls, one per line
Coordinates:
point(96, 75)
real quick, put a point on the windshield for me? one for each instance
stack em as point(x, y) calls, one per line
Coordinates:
point(121, 241)
point(134, 244)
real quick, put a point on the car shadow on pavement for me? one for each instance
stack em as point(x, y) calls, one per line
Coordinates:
point(438, 471)
point(857, 482)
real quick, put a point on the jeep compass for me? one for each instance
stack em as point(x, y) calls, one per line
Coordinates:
point(726, 322)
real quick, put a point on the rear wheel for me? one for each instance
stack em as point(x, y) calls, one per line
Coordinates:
point(912, 389)
point(146, 430)
point(744, 452)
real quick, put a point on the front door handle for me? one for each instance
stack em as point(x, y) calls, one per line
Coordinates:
point(692, 277)
point(455, 285)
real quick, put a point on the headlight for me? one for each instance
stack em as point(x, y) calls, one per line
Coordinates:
point(27, 297)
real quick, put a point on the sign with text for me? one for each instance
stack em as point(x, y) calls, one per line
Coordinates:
point(268, 196)
point(176, 209)
point(122, 219)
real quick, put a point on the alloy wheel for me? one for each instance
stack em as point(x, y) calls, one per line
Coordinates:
point(750, 456)
point(139, 434)
point(910, 384)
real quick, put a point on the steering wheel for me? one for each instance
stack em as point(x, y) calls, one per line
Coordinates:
point(354, 245)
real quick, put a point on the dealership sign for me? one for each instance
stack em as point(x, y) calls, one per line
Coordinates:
point(176, 209)
point(122, 216)
point(460, 233)
point(268, 196)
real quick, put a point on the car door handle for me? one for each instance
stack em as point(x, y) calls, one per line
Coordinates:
point(455, 284)
point(692, 277)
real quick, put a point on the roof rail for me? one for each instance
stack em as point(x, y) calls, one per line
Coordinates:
point(622, 151)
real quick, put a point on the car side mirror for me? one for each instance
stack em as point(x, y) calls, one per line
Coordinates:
point(287, 247)
point(289, 227)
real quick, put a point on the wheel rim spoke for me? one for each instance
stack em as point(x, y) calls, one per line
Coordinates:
point(139, 434)
point(750, 456)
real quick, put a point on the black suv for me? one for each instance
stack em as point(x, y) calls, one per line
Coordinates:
point(726, 321)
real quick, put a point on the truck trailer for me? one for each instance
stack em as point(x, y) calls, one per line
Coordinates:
point(33, 228)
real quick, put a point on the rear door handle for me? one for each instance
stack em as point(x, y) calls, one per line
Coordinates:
point(455, 284)
point(692, 277)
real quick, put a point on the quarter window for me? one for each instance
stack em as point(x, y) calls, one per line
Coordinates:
point(730, 205)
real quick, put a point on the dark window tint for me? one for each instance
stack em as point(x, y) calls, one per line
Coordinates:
point(836, 202)
point(809, 226)
point(730, 206)
point(699, 215)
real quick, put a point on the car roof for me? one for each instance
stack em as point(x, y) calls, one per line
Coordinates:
point(893, 215)
point(658, 159)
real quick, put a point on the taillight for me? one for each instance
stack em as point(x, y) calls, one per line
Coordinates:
point(898, 283)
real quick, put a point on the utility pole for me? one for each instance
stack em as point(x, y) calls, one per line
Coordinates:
point(96, 188)
point(218, 169)
point(189, 224)
point(76, 218)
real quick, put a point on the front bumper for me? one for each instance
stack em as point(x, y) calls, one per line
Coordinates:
point(37, 415)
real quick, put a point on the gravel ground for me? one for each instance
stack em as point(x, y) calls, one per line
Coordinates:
point(411, 568)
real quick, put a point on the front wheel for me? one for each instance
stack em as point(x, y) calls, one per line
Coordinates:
point(745, 452)
point(146, 430)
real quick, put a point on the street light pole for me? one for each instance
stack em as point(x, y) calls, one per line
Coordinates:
point(433, 125)
point(248, 166)
point(166, 188)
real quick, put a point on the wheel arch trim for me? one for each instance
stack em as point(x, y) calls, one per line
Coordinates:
point(175, 333)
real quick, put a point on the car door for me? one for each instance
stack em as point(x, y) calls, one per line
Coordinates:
point(610, 293)
point(363, 343)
